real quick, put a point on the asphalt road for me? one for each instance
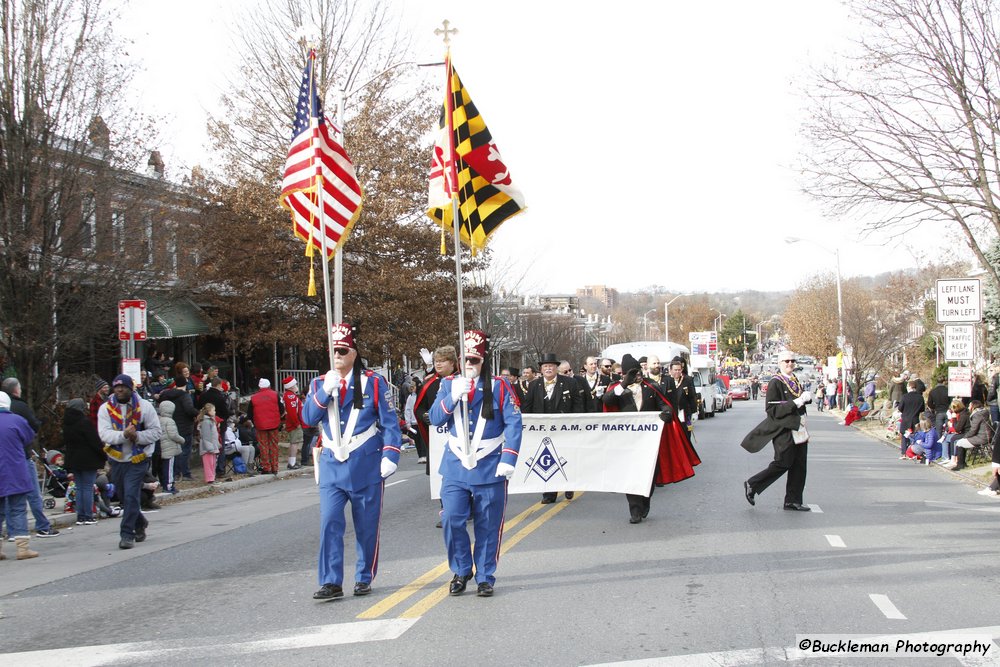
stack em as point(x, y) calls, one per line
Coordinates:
point(894, 550)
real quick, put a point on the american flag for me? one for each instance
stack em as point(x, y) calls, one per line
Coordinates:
point(316, 154)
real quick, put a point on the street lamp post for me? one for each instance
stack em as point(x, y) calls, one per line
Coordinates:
point(644, 334)
point(666, 317)
point(841, 341)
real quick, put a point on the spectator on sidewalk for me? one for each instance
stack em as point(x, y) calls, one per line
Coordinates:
point(938, 401)
point(956, 428)
point(991, 396)
point(925, 443)
point(15, 479)
point(265, 410)
point(184, 414)
point(12, 387)
point(977, 435)
point(101, 391)
point(293, 420)
point(209, 442)
point(910, 407)
point(171, 445)
point(84, 457)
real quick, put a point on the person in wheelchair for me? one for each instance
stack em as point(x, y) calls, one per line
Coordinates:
point(232, 447)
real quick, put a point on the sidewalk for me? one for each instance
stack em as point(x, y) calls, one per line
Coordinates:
point(978, 475)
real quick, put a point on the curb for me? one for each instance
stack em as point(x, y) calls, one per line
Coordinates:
point(67, 519)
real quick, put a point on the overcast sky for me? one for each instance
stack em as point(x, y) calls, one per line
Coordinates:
point(666, 131)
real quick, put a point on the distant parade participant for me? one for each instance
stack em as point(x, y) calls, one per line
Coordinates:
point(676, 458)
point(369, 452)
point(680, 389)
point(785, 404)
point(476, 484)
point(552, 393)
point(595, 383)
point(445, 362)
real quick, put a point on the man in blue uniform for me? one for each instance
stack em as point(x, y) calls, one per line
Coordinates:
point(347, 467)
point(475, 469)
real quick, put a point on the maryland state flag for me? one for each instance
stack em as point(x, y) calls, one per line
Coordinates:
point(467, 164)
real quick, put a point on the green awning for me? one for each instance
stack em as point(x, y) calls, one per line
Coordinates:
point(175, 319)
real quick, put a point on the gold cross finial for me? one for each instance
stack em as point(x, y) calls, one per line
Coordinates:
point(447, 32)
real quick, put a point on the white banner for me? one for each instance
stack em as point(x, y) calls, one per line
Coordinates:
point(613, 452)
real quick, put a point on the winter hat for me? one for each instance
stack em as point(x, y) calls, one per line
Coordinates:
point(123, 380)
point(628, 363)
point(289, 382)
point(264, 383)
point(100, 383)
point(76, 404)
point(4, 401)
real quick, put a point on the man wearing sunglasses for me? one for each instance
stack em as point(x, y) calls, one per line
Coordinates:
point(474, 481)
point(351, 471)
point(786, 400)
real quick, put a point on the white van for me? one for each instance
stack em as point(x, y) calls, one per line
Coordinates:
point(702, 370)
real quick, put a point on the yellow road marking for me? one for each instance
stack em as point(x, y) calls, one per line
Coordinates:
point(433, 574)
point(440, 593)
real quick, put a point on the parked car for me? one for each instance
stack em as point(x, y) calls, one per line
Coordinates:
point(722, 400)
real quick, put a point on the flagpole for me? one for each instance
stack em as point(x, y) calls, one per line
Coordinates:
point(463, 409)
point(338, 258)
point(314, 118)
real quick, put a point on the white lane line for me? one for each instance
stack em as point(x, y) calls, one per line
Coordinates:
point(835, 541)
point(815, 508)
point(398, 481)
point(959, 506)
point(886, 606)
point(233, 645)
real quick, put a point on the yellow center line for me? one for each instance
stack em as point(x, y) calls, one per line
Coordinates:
point(440, 593)
point(431, 575)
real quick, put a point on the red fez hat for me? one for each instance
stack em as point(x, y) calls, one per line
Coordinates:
point(475, 343)
point(343, 334)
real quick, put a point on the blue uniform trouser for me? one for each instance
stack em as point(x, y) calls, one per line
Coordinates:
point(486, 503)
point(366, 511)
point(14, 514)
point(127, 478)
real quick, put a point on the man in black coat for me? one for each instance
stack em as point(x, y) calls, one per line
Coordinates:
point(911, 407)
point(785, 403)
point(213, 394)
point(550, 394)
point(184, 418)
point(636, 394)
point(681, 391)
point(594, 384)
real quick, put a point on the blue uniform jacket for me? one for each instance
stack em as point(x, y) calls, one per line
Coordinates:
point(506, 422)
point(363, 467)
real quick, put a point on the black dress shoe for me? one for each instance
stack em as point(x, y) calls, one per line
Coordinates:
point(458, 584)
point(645, 513)
point(569, 495)
point(361, 588)
point(328, 592)
point(749, 493)
point(484, 590)
point(126, 543)
point(636, 517)
point(797, 507)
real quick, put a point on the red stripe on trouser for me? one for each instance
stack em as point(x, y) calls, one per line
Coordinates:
point(502, 517)
point(268, 449)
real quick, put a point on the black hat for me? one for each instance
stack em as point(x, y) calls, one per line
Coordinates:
point(642, 360)
point(628, 363)
point(548, 358)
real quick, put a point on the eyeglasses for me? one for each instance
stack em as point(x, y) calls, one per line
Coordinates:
point(473, 360)
point(788, 361)
point(342, 351)
point(605, 366)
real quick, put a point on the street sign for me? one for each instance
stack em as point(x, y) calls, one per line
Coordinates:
point(132, 319)
point(133, 369)
point(703, 342)
point(959, 342)
point(960, 381)
point(959, 301)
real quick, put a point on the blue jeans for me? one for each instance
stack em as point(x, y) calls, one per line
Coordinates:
point(35, 500)
point(14, 513)
point(127, 478)
point(182, 463)
point(85, 494)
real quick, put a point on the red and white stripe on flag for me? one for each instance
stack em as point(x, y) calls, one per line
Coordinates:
point(315, 152)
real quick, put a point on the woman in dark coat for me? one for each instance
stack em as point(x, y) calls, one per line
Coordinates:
point(445, 365)
point(84, 457)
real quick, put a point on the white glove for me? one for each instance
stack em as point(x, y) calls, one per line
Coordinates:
point(504, 470)
point(426, 355)
point(619, 390)
point(459, 387)
point(388, 467)
point(806, 396)
point(331, 381)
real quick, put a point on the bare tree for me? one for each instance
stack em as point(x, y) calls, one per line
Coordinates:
point(79, 228)
point(396, 282)
point(906, 134)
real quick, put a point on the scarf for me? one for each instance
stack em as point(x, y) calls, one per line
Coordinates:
point(123, 416)
point(792, 383)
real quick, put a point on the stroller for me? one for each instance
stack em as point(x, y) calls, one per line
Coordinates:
point(55, 479)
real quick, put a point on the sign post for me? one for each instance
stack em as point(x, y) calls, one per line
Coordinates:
point(131, 327)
